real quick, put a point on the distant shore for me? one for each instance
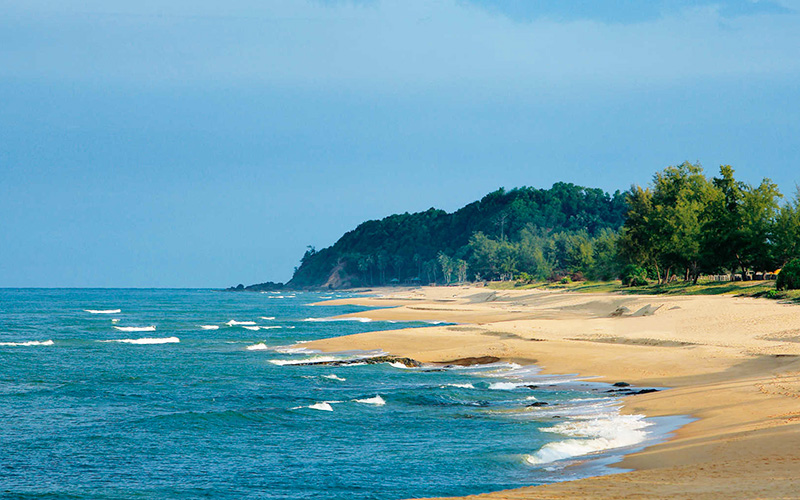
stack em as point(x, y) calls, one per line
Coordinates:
point(732, 363)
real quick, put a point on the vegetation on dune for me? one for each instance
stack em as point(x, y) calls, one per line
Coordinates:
point(789, 278)
point(682, 226)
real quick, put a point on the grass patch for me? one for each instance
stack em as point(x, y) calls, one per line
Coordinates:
point(760, 289)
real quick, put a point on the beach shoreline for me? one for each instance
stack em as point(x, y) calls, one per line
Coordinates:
point(732, 364)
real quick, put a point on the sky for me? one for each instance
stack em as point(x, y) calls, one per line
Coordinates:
point(197, 143)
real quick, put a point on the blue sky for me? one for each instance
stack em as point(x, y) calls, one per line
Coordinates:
point(202, 143)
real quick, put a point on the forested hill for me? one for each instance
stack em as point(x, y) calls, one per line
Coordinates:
point(419, 247)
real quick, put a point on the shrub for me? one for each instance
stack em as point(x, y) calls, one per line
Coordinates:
point(565, 280)
point(633, 275)
point(789, 277)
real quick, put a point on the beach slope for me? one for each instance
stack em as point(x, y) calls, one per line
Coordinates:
point(731, 363)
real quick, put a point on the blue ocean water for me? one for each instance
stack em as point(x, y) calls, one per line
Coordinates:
point(101, 405)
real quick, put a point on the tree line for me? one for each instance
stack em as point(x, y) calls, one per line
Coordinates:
point(684, 224)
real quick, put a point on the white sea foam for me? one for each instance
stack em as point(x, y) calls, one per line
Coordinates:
point(233, 322)
point(103, 311)
point(147, 340)
point(598, 434)
point(257, 347)
point(268, 318)
point(151, 328)
point(323, 406)
point(254, 328)
point(503, 386)
point(115, 320)
point(29, 343)
point(334, 377)
point(327, 320)
point(209, 327)
point(317, 359)
point(294, 350)
point(460, 386)
point(269, 327)
point(377, 401)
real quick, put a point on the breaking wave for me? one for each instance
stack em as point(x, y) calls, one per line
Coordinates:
point(136, 328)
point(377, 401)
point(103, 311)
point(591, 435)
point(29, 343)
point(209, 327)
point(147, 340)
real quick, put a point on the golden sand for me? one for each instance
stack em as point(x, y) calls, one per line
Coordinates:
point(731, 363)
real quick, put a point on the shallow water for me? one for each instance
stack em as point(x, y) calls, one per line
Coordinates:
point(166, 406)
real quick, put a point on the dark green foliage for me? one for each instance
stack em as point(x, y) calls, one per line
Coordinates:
point(407, 246)
point(789, 277)
point(633, 275)
point(685, 225)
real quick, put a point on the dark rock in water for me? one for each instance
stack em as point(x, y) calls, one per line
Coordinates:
point(376, 360)
point(531, 386)
point(483, 360)
point(269, 286)
point(538, 403)
point(621, 384)
point(643, 391)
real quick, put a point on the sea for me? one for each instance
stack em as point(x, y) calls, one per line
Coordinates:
point(172, 394)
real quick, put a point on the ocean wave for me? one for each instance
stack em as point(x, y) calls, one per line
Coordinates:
point(233, 322)
point(328, 320)
point(257, 347)
point(115, 320)
point(147, 340)
point(334, 377)
point(317, 359)
point(294, 350)
point(209, 327)
point(459, 386)
point(377, 401)
point(253, 328)
point(136, 328)
point(503, 386)
point(268, 318)
point(28, 343)
point(269, 327)
point(599, 434)
point(322, 406)
point(103, 311)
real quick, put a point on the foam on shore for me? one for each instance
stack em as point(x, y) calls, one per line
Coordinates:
point(591, 435)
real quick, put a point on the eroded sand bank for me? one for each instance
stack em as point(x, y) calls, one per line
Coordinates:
point(732, 363)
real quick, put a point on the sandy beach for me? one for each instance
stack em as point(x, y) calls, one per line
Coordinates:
point(731, 363)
